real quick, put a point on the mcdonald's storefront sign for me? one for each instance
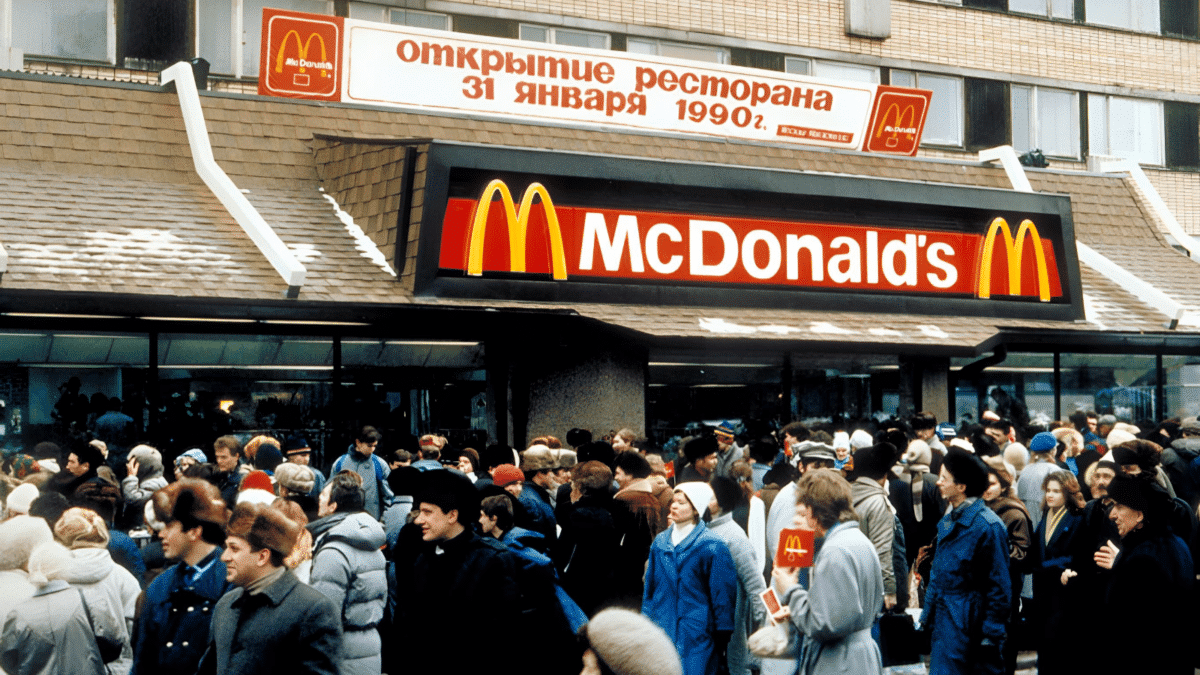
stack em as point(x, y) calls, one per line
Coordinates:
point(301, 56)
point(547, 235)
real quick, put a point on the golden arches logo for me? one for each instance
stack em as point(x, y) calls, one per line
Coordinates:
point(1015, 251)
point(301, 49)
point(518, 229)
point(897, 117)
point(794, 547)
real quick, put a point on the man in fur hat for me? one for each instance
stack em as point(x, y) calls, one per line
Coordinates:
point(173, 628)
point(455, 574)
point(271, 623)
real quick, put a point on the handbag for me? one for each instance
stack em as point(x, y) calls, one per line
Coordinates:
point(109, 646)
point(898, 639)
point(773, 641)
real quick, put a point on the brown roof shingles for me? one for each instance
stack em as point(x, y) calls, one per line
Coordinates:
point(109, 202)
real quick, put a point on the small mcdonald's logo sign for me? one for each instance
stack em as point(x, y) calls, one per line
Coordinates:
point(795, 548)
point(301, 56)
point(517, 219)
point(897, 121)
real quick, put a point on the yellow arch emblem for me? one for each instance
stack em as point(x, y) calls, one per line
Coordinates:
point(1014, 250)
point(518, 229)
point(898, 117)
point(301, 50)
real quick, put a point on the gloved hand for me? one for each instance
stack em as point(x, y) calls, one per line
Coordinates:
point(721, 639)
point(989, 652)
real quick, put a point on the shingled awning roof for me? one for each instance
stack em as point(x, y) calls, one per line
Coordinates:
point(101, 197)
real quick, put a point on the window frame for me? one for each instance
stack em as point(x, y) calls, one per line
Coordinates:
point(1034, 116)
point(238, 27)
point(552, 31)
point(960, 117)
point(723, 52)
point(1106, 126)
point(1048, 11)
point(1155, 29)
point(8, 39)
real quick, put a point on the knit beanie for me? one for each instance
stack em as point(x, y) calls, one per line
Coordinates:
point(295, 477)
point(268, 457)
point(23, 466)
point(257, 480)
point(1119, 436)
point(630, 644)
point(699, 494)
point(81, 528)
point(1043, 442)
point(507, 474)
point(20, 499)
point(21, 534)
point(918, 453)
point(860, 439)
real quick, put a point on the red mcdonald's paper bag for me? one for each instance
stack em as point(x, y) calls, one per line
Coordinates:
point(795, 548)
point(670, 469)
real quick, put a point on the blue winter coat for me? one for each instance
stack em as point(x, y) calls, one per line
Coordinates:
point(173, 629)
point(969, 592)
point(691, 593)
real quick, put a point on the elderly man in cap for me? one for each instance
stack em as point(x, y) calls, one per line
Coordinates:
point(969, 593)
point(173, 627)
point(297, 451)
point(270, 623)
point(1152, 574)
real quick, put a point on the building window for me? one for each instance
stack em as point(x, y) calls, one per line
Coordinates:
point(1129, 128)
point(1045, 119)
point(400, 17)
point(1140, 15)
point(677, 50)
point(832, 70)
point(1058, 9)
point(797, 66)
point(69, 29)
point(565, 36)
point(944, 123)
point(228, 34)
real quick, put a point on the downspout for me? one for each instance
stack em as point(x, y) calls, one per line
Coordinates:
point(267, 241)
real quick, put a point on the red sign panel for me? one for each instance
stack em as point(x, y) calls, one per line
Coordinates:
point(795, 548)
point(897, 120)
point(533, 235)
point(301, 55)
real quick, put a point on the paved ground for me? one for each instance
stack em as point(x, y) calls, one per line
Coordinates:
point(1026, 665)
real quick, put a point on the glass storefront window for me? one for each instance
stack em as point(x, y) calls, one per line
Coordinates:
point(1020, 389)
point(1118, 384)
point(1181, 386)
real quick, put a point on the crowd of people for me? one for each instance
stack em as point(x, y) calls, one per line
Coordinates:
point(608, 556)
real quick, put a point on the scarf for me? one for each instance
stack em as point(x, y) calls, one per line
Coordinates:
point(917, 484)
